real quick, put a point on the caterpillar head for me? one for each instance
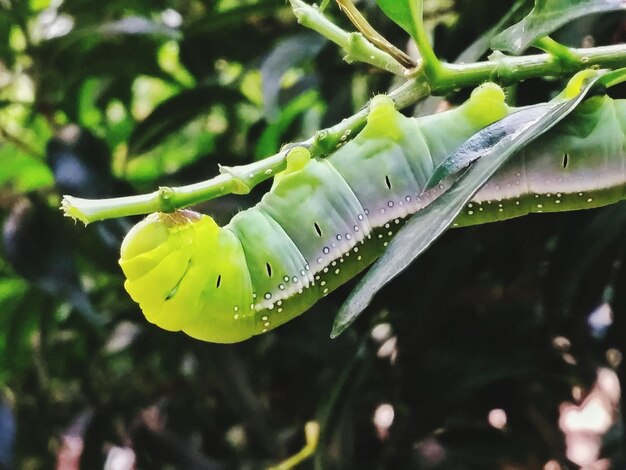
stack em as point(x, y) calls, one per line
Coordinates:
point(188, 274)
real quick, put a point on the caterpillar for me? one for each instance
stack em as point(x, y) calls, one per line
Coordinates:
point(325, 220)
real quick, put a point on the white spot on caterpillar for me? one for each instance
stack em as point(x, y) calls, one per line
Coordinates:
point(268, 295)
point(325, 291)
point(382, 211)
point(390, 203)
point(334, 263)
point(359, 258)
point(325, 270)
point(360, 216)
point(480, 209)
point(386, 244)
point(380, 235)
point(356, 228)
point(470, 212)
point(470, 205)
point(294, 279)
point(264, 330)
point(270, 307)
point(264, 318)
point(356, 249)
point(320, 260)
point(341, 260)
point(518, 174)
point(548, 195)
point(286, 278)
point(280, 310)
point(590, 199)
point(337, 271)
point(408, 198)
point(517, 203)
point(397, 221)
point(235, 308)
point(558, 194)
point(558, 201)
point(236, 316)
point(254, 295)
point(303, 272)
point(307, 267)
point(323, 283)
point(326, 250)
point(338, 237)
point(499, 205)
point(348, 236)
point(317, 278)
point(455, 224)
point(279, 303)
point(251, 306)
point(266, 323)
point(386, 225)
point(366, 213)
point(537, 195)
point(389, 233)
point(580, 194)
point(539, 206)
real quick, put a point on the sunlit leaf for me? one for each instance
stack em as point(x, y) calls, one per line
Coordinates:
point(500, 141)
point(548, 16)
point(399, 12)
point(23, 172)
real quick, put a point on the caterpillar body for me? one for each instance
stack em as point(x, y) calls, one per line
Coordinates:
point(325, 220)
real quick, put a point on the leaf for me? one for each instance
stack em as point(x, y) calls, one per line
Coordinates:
point(174, 113)
point(284, 56)
point(399, 12)
point(546, 17)
point(136, 25)
point(428, 224)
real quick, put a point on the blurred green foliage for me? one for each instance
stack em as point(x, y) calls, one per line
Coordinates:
point(491, 318)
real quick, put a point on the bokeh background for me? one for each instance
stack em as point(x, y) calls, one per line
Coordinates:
point(500, 348)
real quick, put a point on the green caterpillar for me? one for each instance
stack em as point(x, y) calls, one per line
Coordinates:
point(325, 220)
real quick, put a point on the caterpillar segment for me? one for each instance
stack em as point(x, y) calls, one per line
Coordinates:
point(326, 220)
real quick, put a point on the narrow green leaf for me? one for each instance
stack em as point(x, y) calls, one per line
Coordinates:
point(546, 17)
point(399, 11)
point(501, 140)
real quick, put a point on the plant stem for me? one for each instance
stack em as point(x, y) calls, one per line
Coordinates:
point(430, 62)
point(373, 36)
point(356, 46)
point(557, 50)
point(241, 179)
point(510, 69)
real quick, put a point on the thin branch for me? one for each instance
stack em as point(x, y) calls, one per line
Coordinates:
point(241, 179)
point(356, 46)
point(358, 20)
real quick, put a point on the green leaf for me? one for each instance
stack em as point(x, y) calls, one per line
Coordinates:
point(501, 140)
point(23, 172)
point(546, 17)
point(399, 11)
